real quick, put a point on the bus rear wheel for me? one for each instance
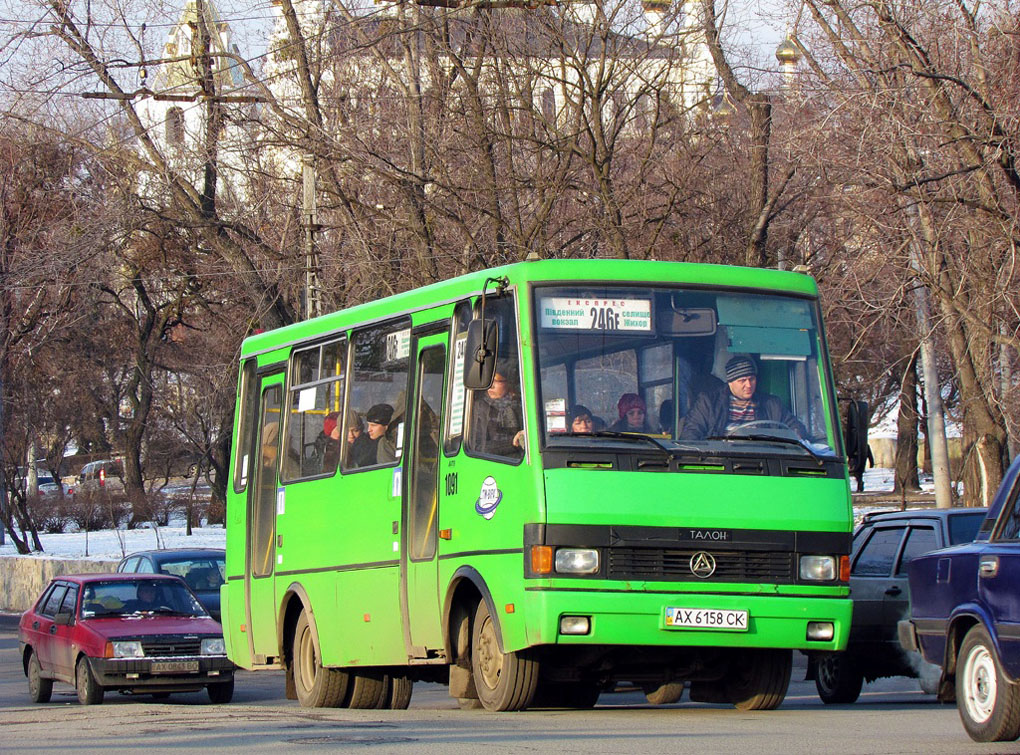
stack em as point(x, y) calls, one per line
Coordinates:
point(504, 681)
point(316, 687)
point(369, 689)
point(758, 679)
point(400, 689)
point(664, 694)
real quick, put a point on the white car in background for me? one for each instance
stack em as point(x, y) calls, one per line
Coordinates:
point(49, 488)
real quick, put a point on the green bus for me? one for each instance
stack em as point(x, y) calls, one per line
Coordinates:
point(536, 481)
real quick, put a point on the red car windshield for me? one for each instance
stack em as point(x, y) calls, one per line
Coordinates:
point(138, 597)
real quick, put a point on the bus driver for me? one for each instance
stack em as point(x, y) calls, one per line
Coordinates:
point(726, 408)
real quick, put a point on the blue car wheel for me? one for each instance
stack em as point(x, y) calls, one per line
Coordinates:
point(988, 703)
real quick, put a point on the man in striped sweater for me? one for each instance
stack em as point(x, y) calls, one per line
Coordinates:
point(726, 408)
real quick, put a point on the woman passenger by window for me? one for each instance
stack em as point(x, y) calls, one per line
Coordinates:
point(633, 415)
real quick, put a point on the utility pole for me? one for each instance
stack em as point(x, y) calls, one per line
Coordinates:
point(936, 412)
point(313, 304)
point(929, 370)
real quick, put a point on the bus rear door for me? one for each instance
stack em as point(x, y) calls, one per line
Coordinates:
point(420, 585)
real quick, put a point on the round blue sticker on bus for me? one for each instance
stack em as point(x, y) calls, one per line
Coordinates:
point(488, 498)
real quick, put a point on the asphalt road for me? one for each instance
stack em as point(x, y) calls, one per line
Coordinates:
point(892, 716)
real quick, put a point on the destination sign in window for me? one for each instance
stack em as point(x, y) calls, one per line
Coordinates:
point(598, 314)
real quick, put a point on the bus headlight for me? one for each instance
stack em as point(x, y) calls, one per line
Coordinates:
point(818, 568)
point(577, 560)
point(213, 646)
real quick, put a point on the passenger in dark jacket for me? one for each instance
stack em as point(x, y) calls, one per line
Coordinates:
point(366, 452)
point(726, 407)
point(497, 420)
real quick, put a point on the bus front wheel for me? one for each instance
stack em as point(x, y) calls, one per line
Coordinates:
point(316, 687)
point(758, 679)
point(504, 681)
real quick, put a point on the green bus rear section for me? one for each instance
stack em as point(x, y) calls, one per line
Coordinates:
point(339, 547)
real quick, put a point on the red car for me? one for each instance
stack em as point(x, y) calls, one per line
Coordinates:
point(134, 633)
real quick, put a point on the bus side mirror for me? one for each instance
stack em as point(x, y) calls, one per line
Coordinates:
point(480, 361)
point(856, 433)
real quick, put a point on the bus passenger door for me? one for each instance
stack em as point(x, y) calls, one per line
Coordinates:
point(420, 600)
point(260, 593)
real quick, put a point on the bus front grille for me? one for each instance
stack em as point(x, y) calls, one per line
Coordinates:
point(669, 564)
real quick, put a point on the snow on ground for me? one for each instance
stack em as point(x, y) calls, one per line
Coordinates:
point(114, 544)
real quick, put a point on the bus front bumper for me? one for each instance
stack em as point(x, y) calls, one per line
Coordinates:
point(687, 619)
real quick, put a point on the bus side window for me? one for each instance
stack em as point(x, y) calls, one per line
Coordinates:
point(245, 425)
point(456, 406)
point(314, 403)
point(497, 414)
point(378, 386)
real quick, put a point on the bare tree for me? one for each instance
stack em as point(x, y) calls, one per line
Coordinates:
point(922, 122)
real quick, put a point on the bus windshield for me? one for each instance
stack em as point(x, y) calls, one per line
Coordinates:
point(708, 369)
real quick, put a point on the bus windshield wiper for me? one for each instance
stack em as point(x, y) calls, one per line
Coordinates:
point(800, 442)
point(657, 442)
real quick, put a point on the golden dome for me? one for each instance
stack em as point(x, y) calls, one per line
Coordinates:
point(788, 52)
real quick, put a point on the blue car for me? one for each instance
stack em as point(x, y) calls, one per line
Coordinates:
point(965, 616)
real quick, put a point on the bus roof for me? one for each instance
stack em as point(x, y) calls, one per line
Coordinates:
point(545, 271)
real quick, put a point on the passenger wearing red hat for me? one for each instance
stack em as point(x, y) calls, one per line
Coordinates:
point(331, 430)
point(633, 415)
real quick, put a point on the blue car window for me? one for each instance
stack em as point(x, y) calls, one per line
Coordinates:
point(963, 527)
point(1010, 528)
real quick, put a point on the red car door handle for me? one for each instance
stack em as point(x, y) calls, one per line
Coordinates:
point(35, 624)
point(53, 628)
